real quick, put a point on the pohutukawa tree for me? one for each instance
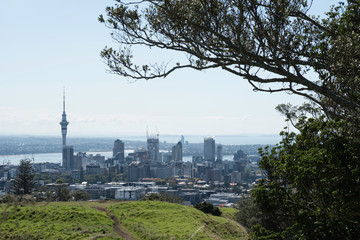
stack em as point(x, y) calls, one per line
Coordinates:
point(273, 44)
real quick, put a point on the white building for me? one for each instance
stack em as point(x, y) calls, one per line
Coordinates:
point(129, 193)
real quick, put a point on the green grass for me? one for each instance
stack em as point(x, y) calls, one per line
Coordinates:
point(144, 219)
point(228, 212)
point(54, 221)
point(161, 220)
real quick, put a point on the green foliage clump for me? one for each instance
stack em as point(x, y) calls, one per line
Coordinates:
point(248, 213)
point(162, 197)
point(24, 181)
point(80, 195)
point(62, 192)
point(312, 186)
point(207, 207)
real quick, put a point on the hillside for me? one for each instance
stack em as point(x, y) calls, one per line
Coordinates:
point(113, 220)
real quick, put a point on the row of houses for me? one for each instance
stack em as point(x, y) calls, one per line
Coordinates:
point(136, 190)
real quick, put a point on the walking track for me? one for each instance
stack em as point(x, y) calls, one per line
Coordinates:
point(117, 226)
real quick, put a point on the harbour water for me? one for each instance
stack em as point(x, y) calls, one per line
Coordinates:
point(56, 157)
point(220, 139)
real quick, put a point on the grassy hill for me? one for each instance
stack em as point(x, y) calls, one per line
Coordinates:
point(114, 220)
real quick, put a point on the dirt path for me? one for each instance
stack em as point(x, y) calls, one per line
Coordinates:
point(117, 226)
point(197, 230)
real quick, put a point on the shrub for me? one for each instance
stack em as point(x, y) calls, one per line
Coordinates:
point(162, 197)
point(207, 207)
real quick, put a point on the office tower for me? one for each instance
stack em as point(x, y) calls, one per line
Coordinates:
point(177, 152)
point(119, 150)
point(68, 157)
point(209, 149)
point(219, 152)
point(153, 147)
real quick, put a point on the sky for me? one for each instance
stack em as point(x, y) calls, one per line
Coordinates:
point(48, 45)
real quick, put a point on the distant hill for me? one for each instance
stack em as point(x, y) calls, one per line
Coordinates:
point(114, 220)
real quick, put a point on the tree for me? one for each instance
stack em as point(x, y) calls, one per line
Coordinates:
point(312, 186)
point(249, 214)
point(207, 207)
point(163, 197)
point(24, 181)
point(80, 195)
point(62, 192)
point(272, 44)
point(43, 193)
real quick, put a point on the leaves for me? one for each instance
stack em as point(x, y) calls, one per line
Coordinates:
point(251, 39)
point(24, 181)
point(312, 187)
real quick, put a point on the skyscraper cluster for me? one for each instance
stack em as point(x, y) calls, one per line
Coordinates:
point(149, 162)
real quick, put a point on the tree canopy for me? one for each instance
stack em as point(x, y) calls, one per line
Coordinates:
point(311, 190)
point(273, 44)
point(312, 185)
point(24, 181)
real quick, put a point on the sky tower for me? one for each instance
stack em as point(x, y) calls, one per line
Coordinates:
point(64, 124)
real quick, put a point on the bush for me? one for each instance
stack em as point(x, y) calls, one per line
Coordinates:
point(249, 214)
point(8, 198)
point(207, 207)
point(162, 197)
point(81, 195)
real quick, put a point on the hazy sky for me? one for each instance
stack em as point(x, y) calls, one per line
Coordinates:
point(46, 45)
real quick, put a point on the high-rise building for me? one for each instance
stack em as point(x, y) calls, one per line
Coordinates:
point(67, 151)
point(64, 123)
point(68, 157)
point(177, 152)
point(119, 150)
point(219, 153)
point(153, 147)
point(209, 149)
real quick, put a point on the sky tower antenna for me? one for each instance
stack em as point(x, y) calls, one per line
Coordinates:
point(157, 132)
point(64, 99)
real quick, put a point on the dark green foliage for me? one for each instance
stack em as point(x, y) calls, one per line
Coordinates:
point(160, 182)
point(271, 44)
point(162, 197)
point(207, 207)
point(95, 178)
point(249, 214)
point(8, 198)
point(312, 187)
point(62, 192)
point(80, 195)
point(24, 181)
point(43, 193)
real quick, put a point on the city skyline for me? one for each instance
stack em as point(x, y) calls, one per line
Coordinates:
point(52, 45)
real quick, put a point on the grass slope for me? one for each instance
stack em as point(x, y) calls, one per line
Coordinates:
point(87, 220)
point(54, 221)
point(161, 220)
